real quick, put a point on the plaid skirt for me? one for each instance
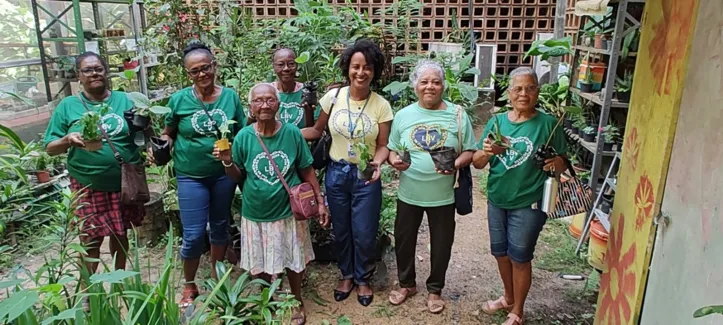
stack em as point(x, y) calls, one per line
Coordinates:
point(102, 214)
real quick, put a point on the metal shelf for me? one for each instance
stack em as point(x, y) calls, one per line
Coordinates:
point(593, 97)
point(591, 50)
point(590, 146)
point(612, 185)
point(604, 218)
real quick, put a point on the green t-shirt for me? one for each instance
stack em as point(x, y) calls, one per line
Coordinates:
point(98, 169)
point(193, 148)
point(290, 109)
point(515, 181)
point(421, 130)
point(265, 198)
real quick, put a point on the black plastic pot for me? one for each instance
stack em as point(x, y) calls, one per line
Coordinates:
point(405, 157)
point(575, 130)
point(141, 122)
point(309, 94)
point(543, 153)
point(585, 88)
point(324, 253)
point(367, 173)
point(619, 147)
point(567, 124)
point(608, 146)
point(444, 158)
point(161, 151)
point(624, 97)
point(589, 137)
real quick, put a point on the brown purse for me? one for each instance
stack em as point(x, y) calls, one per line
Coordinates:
point(302, 198)
point(134, 187)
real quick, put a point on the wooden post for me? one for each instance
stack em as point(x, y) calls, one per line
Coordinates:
point(560, 8)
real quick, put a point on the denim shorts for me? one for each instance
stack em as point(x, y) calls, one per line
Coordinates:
point(514, 232)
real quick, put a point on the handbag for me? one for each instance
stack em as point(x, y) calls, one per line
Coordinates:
point(573, 196)
point(134, 187)
point(302, 197)
point(463, 185)
point(320, 150)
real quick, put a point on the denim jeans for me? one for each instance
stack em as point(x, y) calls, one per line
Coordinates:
point(203, 201)
point(354, 209)
point(514, 232)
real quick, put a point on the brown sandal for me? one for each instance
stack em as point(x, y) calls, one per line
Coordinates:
point(435, 306)
point(299, 318)
point(396, 297)
point(189, 295)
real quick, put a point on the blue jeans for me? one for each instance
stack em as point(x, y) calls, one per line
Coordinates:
point(514, 232)
point(354, 209)
point(204, 201)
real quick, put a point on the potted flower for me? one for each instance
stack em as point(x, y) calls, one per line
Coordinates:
point(139, 118)
point(610, 133)
point(130, 63)
point(222, 143)
point(588, 134)
point(403, 153)
point(89, 126)
point(365, 168)
point(41, 168)
point(623, 87)
point(586, 83)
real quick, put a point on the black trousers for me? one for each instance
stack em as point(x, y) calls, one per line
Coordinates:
point(441, 233)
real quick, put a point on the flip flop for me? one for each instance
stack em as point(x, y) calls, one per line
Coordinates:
point(490, 307)
point(396, 297)
point(435, 306)
point(513, 319)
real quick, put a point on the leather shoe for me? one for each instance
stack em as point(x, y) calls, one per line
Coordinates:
point(365, 300)
point(341, 295)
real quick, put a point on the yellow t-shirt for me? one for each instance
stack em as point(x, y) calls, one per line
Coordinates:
point(365, 125)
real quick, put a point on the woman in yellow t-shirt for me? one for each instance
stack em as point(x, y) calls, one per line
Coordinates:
point(359, 122)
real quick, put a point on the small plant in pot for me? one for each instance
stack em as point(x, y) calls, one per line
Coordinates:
point(222, 143)
point(589, 134)
point(90, 128)
point(41, 168)
point(623, 87)
point(546, 151)
point(500, 143)
point(403, 153)
point(139, 117)
point(586, 83)
point(611, 133)
point(578, 124)
point(365, 168)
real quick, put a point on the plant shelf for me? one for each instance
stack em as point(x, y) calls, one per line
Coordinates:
point(590, 146)
point(593, 97)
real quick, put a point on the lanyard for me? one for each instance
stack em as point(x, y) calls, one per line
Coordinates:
point(352, 127)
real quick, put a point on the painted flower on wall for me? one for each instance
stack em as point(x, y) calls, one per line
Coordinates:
point(632, 147)
point(644, 200)
point(671, 36)
point(617, 286)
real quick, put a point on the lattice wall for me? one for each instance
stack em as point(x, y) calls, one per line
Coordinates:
point(511, 24)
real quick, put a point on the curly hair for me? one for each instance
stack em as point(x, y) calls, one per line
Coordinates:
point(194, 47)
point(372, 54)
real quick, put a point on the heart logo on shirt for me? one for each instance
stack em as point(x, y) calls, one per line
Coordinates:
point(428, 137)
point(514, 158)
point(263, 169)
point(342, 124)
point(290, 113)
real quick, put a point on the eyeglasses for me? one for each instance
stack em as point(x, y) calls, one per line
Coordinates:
point(88, 72)
point(271, 102)
point(529, 89)
point(281, 65)
point(206, 69)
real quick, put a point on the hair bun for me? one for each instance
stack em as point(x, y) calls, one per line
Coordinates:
point(195, 45)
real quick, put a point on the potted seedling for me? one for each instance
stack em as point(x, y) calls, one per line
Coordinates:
point(365, 168)
point(90, 128)
point(586, 83)
point(611, 134)
point(588, 134)
point(222, 143)
point(623, 87)
point(41, 168)
point(500, 143)
point(587, 39)
point(578, 124)
point(309, 92)
point(139, 117)
point(598, 39)
point(546, 151)
point(403, 153)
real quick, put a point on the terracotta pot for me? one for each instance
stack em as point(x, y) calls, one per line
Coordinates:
point(43, 176)
point(93, 145)
point(598, 245)
point(223, 145)
point(598, 41)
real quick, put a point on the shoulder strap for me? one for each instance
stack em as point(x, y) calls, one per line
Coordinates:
point(213, 122)
point(102, 130)
point(333, 100)
point(272, 162)
point(459, 141)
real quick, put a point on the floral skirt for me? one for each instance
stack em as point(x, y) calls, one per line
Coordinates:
point(272, 247)
point(102, 213)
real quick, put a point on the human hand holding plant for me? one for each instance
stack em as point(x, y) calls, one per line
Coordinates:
point(223, 155)
point(75, 139)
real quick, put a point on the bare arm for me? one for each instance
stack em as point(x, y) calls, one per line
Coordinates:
point(382, 152)
point(233, 172)
point(480, 159)
point(314, 133)
point(308, 116)
point(464, 159)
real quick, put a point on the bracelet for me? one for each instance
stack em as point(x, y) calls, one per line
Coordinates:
point(227, 166)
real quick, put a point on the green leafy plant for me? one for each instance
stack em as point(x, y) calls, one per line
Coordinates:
point(611, 133)
point(144, 106)
point(708, 310)
point(589, 130)
point(579, 121)
point(89, 126)
point(546, 49)
point(630, 42)
point(625, 84)
point(225, 128)
point(362, 151)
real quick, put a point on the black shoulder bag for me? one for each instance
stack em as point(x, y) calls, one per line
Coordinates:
point(463, 186)
point(320, 150)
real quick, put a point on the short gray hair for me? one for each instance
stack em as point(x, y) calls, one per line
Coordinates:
point(523, 71)
point(276, 91)
point(422, 67)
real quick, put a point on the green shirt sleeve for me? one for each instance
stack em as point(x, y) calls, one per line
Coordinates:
point(303, 154)
point(468, 143)
point(236, 153)
point(394, 136)
point(171, 119)
point(57, 127)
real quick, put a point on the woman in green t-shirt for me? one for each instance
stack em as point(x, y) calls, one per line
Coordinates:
point(97, 174)
point(514, 189)
point(205, 193)
point(429, 124)
point(272, 240)
point(293, 109)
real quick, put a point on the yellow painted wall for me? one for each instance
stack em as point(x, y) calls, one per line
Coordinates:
point(667, 32)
